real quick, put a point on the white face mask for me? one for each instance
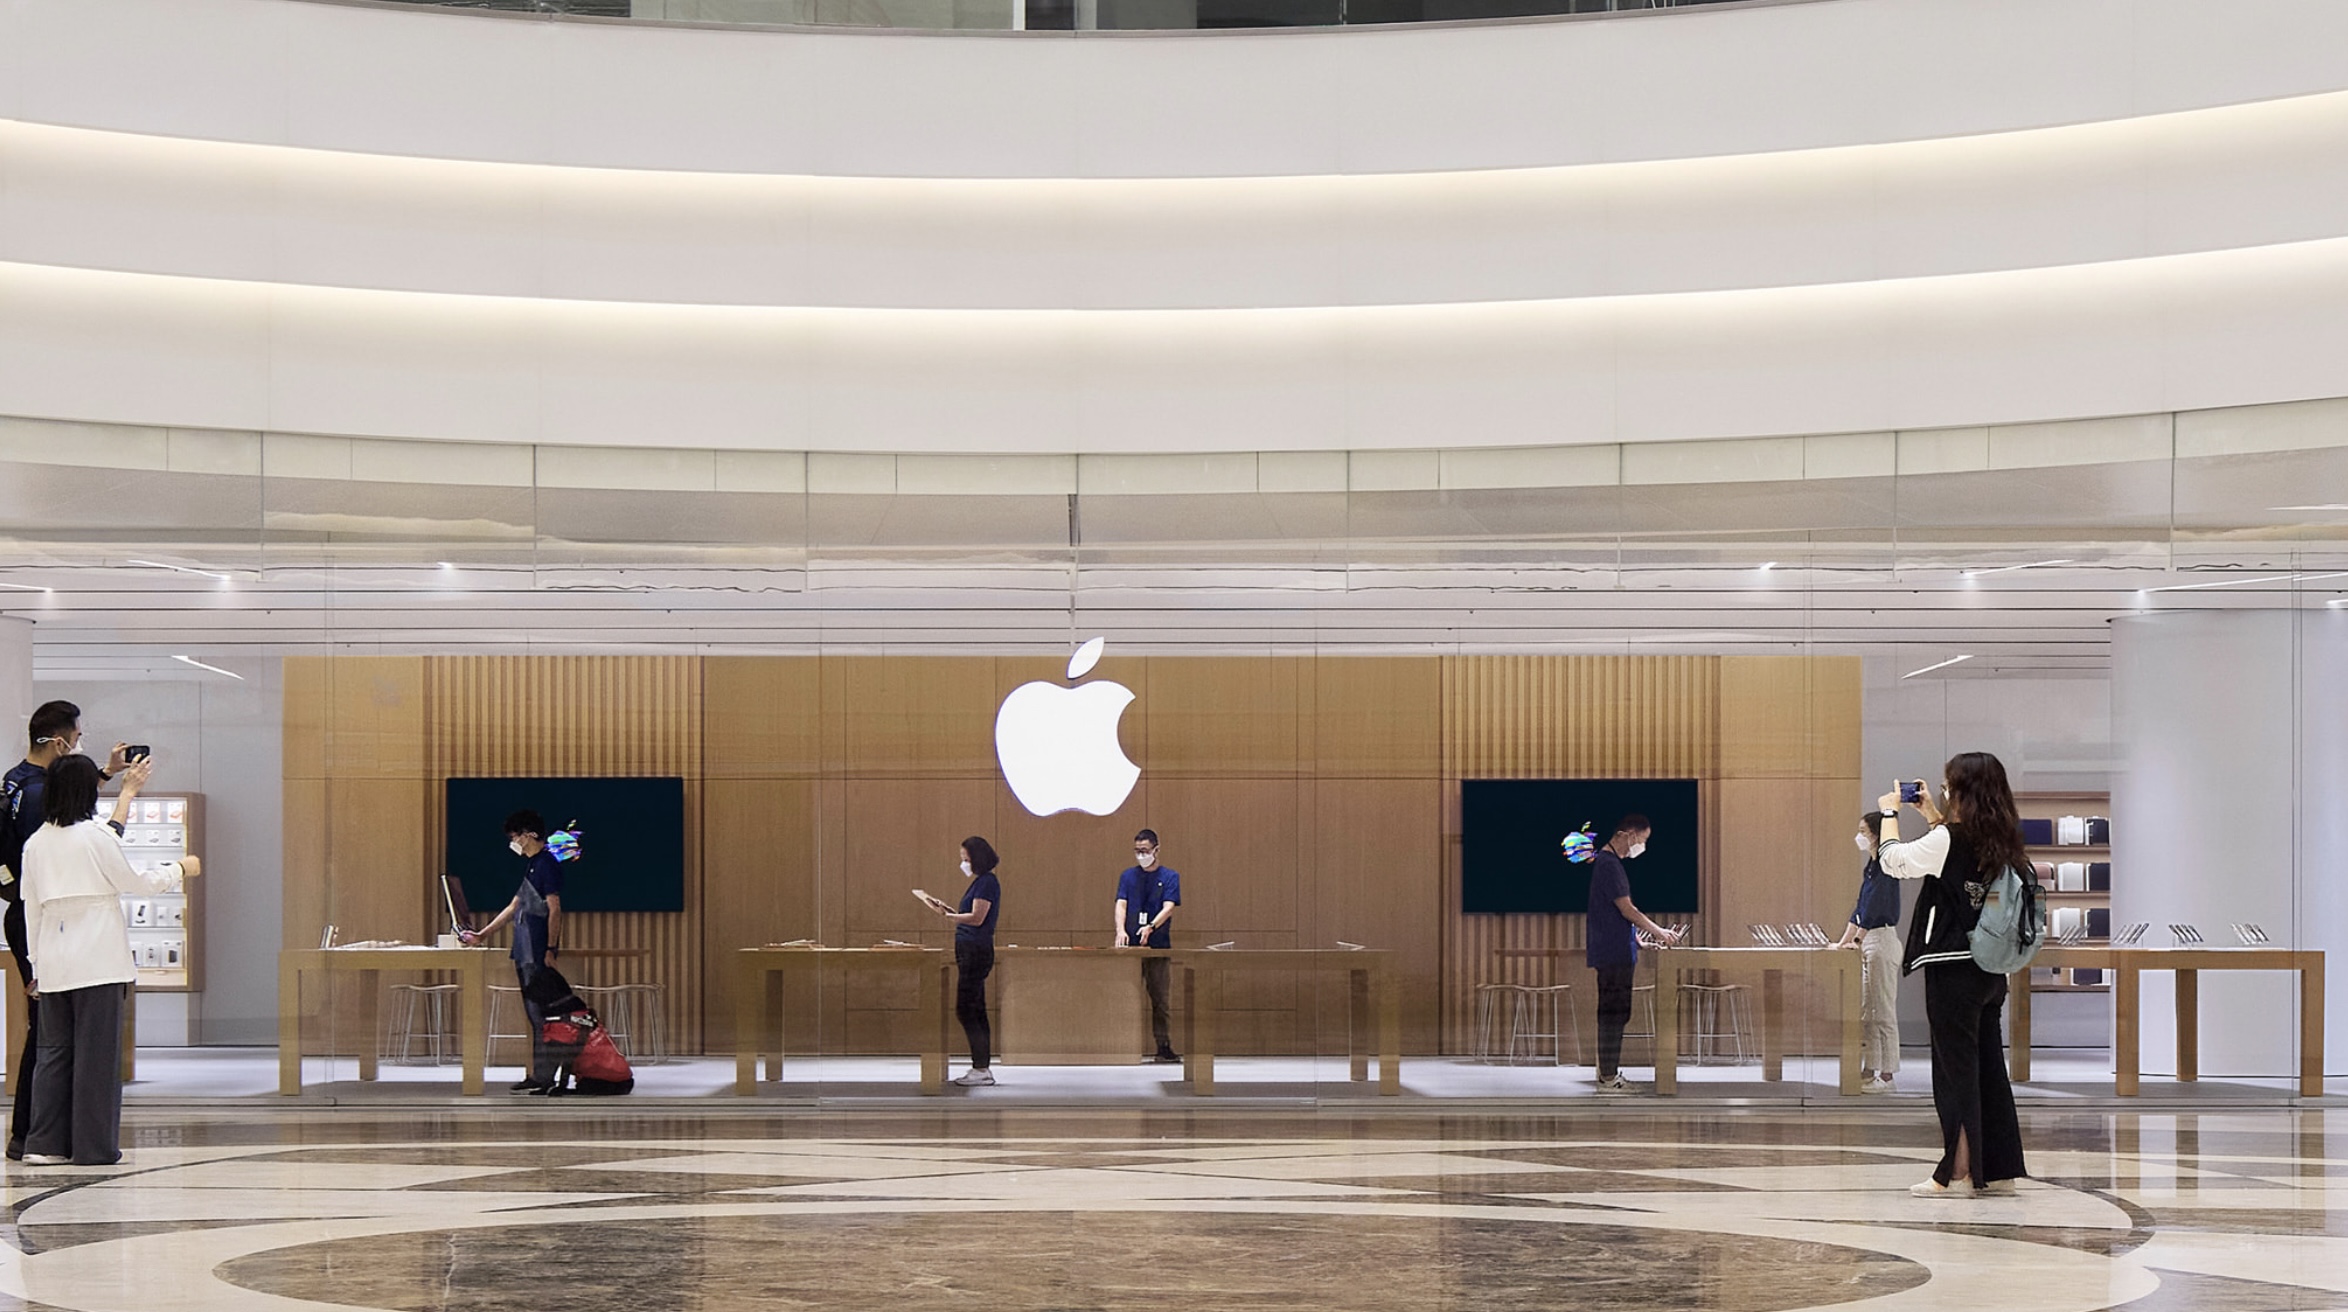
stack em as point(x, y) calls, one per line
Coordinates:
point(1149, 862)
point(1636, 849)
point(515, 845)
point(967, 872)
point(1864, 845)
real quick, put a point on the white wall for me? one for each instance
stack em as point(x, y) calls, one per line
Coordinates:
point(224, 739)
point(2231, 728)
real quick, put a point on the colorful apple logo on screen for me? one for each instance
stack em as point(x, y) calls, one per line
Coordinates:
point(1579, 847)
point(1058, 746)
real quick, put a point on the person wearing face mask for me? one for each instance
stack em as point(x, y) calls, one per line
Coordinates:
point(537, 916)
point(974, 955)
point(1874, 930)
point(1613, 948)
point(55, 730)
point(1147, 894)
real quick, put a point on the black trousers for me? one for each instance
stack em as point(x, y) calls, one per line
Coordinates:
point(21, 1123)
point(1157, 976)
point(1614, 1016)
point(541, 1068)
point(973, 962)
point(1965, 1005)
point(77, 1093)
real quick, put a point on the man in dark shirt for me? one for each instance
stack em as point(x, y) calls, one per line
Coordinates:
point(1613, 940)
point(537, 916)
point(55, 730)
point(1147, 894)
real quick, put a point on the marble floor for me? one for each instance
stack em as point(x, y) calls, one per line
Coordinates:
point(577, 1205)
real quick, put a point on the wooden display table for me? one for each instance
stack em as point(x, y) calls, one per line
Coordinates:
point(469, 965)
point(1071, 1006)
point(1772, 964)
point(2128, 966)
point(1371, 983)
point(758, 1003)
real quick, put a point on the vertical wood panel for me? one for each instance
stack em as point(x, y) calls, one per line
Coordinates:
point(560, 716)
point(1561, 717)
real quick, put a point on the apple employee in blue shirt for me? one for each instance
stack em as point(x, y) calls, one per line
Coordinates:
point(1614, 925)
point(1147, 894)
point(537, 916)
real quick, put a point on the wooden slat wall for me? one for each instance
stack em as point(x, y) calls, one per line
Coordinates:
point(582, 715)
point(1773, 743)
point(1563, 717)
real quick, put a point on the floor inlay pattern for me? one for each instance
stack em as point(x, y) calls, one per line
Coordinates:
point(1739, 1212)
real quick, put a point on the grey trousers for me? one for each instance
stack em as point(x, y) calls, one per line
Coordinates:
point(77, 1082)
point(1879, 1000)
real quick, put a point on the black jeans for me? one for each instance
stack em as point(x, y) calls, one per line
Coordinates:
point(973, 962)
point(1964, 1004)
point(21, 1123)
point(1614, 1016)
point(77, 1101)
point(541, 1069)
point(1157, 976)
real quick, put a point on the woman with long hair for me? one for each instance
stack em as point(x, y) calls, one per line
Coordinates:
point(974, 954)
point(75, 875)
point(1975, 836)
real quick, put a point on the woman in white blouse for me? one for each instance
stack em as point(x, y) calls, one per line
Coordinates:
point(74, 878)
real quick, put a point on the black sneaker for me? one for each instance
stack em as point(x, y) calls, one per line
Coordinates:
point(16, 1150)
point(1167, 1057)
point(530, 1085)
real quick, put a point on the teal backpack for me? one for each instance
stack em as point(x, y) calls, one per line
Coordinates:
point(2013, 924)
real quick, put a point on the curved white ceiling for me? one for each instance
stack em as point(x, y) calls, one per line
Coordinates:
point(2203, 180)
point(1841, 216)
point(1687, 84)
point(2188, 331)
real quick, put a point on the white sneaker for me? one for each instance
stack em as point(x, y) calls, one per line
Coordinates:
point(46, 1159)
point(977, 1077)
point(1884, 1085)
point(1615, 1084)
point(1935, 1189)
point(1999, 1189)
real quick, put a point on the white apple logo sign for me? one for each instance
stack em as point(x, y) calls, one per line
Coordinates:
point(1058, 746)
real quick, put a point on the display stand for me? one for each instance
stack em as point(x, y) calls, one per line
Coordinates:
point(167, 928)
point(2086, 901)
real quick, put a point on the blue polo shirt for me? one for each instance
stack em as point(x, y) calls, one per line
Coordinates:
point(1613, 941)
point(1145, 893)
point(541, 879)
point(990, 889)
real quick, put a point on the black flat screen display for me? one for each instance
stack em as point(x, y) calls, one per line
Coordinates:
point(1511, 832)
point(632, 848)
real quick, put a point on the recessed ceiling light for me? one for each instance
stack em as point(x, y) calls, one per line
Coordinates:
point(1941, 666)
point(2328, 505)
point(26, 587)
point(2008, 569)
point(2237, 583)
point(180, 569)
point(214, 668)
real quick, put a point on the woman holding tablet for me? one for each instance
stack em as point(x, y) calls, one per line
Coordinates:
point(974, 954)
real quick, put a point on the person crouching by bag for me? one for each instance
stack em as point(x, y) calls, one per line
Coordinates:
point(574, 1052)
point(1974, 837)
